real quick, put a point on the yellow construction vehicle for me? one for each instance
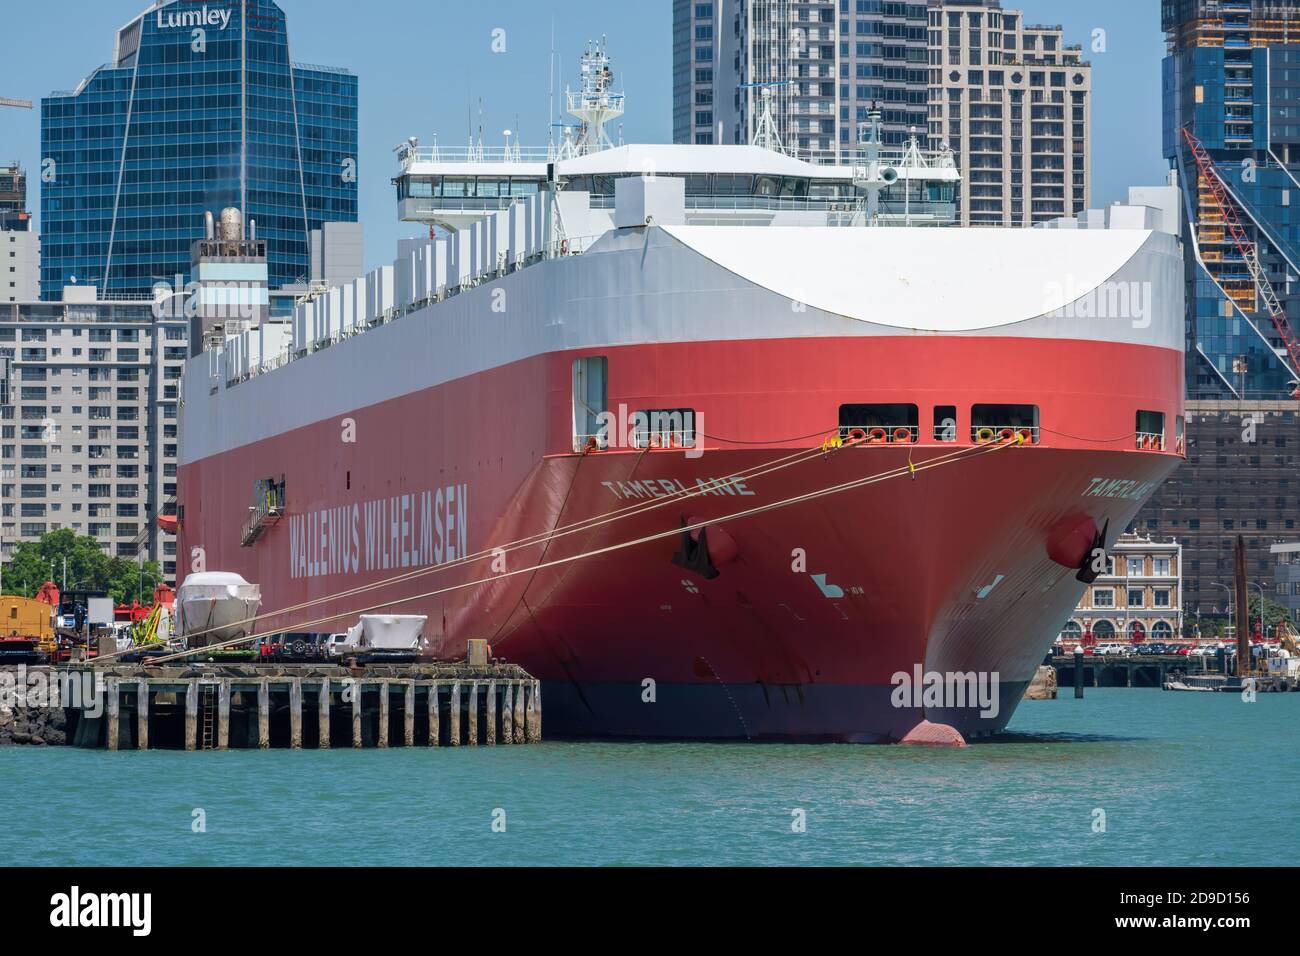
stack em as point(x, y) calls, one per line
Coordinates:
point(26, 630)
point(145, 633)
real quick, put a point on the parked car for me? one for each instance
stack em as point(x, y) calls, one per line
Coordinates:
point(334, 644)
point(295, 647)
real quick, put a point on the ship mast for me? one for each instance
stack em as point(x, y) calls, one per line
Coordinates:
point(871, 175)
point(595, 103)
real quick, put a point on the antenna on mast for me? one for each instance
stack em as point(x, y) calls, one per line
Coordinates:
point(550, 114)
point(766, 135)
point(595, 103)
point(872, 175)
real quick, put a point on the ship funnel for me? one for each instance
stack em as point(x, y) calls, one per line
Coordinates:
point(209, 227)
point(232, 225)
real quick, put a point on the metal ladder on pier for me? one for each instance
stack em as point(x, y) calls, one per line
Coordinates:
point(208, 715)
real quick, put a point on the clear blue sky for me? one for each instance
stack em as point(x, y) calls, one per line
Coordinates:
point(425, 65)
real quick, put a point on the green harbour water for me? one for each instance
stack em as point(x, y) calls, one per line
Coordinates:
point(1183, 779)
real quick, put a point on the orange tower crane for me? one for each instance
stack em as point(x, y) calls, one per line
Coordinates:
point(1248, 251)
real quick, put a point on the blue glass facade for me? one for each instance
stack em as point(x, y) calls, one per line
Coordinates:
point(1233, 78)
point(201, 108)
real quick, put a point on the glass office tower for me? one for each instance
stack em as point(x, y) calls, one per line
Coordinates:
point(200, 108)
point(1232, 77)
point(825, 62)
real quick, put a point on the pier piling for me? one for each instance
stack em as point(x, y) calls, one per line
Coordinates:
point(219, 707)
point(223, 714)
point(142, 714)
point(323, 715)
point(356, 715)
point(295, 714)
point(408, 714)
point(533, 714)
point(113, 713)
point(434, 729)
point(471, 737)
point(1078, 674)
point(263, 715)
point(454, 720)
point(192, 714)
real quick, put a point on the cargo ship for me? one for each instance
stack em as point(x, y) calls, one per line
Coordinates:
point(719, 442)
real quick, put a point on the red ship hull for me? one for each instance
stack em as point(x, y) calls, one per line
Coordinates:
point(967, 566)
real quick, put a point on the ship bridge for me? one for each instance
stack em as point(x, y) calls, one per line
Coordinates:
point(761, 184)
point(741, 185)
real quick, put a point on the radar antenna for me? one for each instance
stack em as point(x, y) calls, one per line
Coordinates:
point(595, 103)
point(765, 133)
point(871, 175)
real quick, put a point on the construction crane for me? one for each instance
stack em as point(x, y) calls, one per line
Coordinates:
point(17, 104)
point(1248, 250)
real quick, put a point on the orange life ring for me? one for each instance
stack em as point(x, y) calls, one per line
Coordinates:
point(1007, 434)
point(1027, 434)
point(903, 435)
point(877, 436)
point(857, 435)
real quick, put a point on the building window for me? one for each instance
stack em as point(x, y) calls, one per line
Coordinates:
point(1103, 597)
point(1160, 598)
point(1135, 598)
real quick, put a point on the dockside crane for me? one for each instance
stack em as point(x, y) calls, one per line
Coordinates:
point(1249, 253)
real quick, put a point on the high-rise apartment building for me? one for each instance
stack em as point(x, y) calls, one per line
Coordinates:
point(823, 64)
point(89, 392)
point(1012, 100)
point(1232, 79)
point(1242, 476)
point(13, 193)
point(20, 246)
point(200, 108)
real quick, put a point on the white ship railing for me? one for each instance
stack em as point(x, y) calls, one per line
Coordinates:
point(656, 440)
point(559, 249)
point(986, 434)
point(881, 434)
point(888, 156)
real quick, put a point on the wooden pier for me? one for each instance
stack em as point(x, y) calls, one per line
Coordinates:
point(247, 706)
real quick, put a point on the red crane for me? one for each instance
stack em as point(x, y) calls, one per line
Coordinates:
point(1219, 191)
